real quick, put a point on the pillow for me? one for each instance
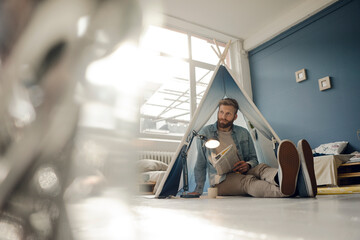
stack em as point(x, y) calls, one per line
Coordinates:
point(331, 148)
point(146, 165)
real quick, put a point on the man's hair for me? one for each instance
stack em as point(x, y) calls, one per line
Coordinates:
point(229, 102)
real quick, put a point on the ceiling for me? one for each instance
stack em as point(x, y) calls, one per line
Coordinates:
point(253, 21)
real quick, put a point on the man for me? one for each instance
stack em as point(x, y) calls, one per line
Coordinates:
point(294, 175)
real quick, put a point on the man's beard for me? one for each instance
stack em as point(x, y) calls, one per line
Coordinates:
point(225, 125)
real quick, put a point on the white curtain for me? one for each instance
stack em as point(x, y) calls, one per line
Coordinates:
point(240, 65)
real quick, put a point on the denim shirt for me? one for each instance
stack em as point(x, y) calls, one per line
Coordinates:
point(245, 149)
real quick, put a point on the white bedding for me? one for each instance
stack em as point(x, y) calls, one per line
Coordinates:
point(153, 176)
point(326, 168)
point(151, 171)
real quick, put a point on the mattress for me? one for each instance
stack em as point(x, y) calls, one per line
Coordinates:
point(326, 168)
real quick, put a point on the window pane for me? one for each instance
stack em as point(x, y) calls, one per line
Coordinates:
point(166, 41)
point(167, 110)
point(202, 51)
point(203, 77)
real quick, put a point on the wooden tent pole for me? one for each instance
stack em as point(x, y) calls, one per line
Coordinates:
point(217, 54)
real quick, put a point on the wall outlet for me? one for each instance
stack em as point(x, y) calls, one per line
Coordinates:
point(358, 134)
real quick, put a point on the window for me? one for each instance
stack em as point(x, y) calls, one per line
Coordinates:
point(187, 64)
point(172, 70)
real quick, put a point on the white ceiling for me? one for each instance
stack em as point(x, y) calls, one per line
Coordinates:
point(253, 21)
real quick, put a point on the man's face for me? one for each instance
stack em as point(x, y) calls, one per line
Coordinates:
point(226, 116)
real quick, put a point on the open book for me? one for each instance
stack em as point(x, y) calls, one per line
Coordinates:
point(225, 160)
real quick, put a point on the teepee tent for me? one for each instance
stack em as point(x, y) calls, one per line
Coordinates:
point(222, 84)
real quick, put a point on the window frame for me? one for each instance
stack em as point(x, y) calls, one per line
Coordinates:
point(193, 64)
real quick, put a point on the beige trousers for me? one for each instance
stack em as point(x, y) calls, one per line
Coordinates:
point(257, 182)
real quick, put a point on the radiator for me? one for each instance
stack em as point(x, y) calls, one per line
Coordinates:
point(157, 155)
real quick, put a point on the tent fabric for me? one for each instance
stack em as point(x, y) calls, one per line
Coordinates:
point(222, 84)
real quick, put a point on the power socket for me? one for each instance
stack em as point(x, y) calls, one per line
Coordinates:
point(358, 134)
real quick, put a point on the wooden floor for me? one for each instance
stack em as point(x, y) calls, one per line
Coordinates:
point(144, 217)
point(345, 189)
point(325, 217)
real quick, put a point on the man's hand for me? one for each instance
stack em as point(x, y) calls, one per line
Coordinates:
point(241, 167)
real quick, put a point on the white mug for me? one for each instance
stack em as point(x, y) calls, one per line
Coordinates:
point(212, 192)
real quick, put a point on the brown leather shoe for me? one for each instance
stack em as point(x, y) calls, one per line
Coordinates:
point(306, 186)
point(289, 165)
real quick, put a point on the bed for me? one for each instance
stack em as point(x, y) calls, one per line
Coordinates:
point(151, 173)
point(326, 165)
point(326, 168)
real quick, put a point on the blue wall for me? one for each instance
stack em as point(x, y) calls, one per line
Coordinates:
point(327, 44)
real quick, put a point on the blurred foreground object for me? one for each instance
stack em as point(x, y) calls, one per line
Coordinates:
point(45, 49)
